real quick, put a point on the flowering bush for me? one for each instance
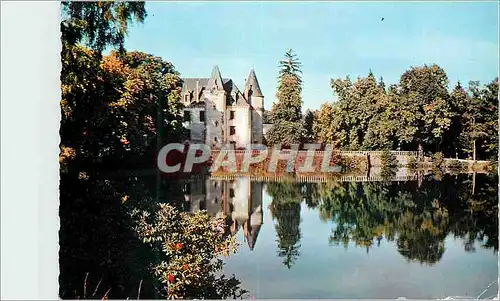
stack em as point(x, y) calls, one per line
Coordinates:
point(191, 245)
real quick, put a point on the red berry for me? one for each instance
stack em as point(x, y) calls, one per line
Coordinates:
point(170, 278)
point(185, 267)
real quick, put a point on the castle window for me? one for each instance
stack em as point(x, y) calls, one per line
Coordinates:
point(232, 130)
point(215, 139)
point(202, 116)
point(231, 193)
point(187, 116)
point(231, 115)
point(216, 123)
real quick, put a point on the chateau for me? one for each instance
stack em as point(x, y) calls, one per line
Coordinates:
point(218, 113)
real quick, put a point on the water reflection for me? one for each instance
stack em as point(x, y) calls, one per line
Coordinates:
point(418, 216)
point(415, 218)
point(240, 199)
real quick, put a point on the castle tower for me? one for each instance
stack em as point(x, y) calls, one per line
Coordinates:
point(215, 106)
point(255, 98)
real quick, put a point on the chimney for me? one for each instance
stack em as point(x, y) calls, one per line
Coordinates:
point(197, 90)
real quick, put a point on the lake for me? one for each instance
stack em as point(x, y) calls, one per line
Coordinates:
point(430, 238)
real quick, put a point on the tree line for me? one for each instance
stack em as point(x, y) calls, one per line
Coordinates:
point(120, 107)
point(418, 111)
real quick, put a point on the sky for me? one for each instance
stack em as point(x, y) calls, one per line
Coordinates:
point(331, 39)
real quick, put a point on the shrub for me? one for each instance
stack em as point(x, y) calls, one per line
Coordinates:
point(389, 164)
point(455, 165)
point(438, 159)
point(492, 167)
point(412, 162)
point(191, 246)
point(352, 163)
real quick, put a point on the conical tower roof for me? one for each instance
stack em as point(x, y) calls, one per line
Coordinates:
point(252, 236)
point(253, 85)
point(215, 81)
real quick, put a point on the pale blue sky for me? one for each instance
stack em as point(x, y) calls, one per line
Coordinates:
point(332, 39)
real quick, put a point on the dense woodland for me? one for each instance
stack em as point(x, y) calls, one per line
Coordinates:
point(367, 115)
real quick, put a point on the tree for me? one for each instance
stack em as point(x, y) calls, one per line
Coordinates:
point(290, 66)
point(150, 82)
point(99, 24)
point(110, 105)
point(286, 112)
point(266, 117)
point(381, 84)
point(307, 125)
point(459, 99)
point(285, 208)
point(87, 124)
point(480, 121)
point(358, 103)
point(329, 126)
point(426, 88)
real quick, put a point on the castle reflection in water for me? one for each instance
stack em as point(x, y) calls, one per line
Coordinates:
point(239, 199)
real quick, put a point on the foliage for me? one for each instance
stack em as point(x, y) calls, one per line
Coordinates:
point(99, 24)
point(286, 114)
point(352, 163)
point(325, 124)
point(290, 66)
point(480, 122)
point(266, 117)
point(308, 125)
point(110, 106)
point(191, 247)
point(412, 162)
point(96, 237)
point(285, 133)
point(389, 164)
point(114, 108)
point(418, 219)
point(285, 208)
point(455, 165)
point(418, 110)
point(438, 160)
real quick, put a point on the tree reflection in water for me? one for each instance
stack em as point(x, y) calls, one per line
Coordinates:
point(417, 218)
point(97, 238)
point(285, 209)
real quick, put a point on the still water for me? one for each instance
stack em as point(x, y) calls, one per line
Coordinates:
point(416, 239)
point(323, 270)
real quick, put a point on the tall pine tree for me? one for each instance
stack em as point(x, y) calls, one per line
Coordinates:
point(286, 113)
